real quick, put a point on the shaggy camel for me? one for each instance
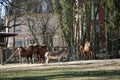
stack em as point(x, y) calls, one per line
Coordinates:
point(86, 50)
point(27, 53)
point(41, 52)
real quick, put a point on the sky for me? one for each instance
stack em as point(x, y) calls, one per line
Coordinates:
point(2, 13)
point(2, 10)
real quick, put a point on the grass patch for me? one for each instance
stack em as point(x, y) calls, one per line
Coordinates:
point(57, 74)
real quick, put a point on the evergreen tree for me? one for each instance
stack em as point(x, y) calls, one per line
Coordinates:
point(112, 23)
point(64, 12)
point(112, 15)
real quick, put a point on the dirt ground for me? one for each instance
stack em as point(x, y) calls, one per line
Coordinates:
point(91, 65)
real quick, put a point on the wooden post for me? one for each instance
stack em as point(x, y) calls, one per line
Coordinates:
point(1, 55)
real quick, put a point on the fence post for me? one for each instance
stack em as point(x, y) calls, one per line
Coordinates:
point(1, 55)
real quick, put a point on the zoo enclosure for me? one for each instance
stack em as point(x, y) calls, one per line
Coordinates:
point(10, 55)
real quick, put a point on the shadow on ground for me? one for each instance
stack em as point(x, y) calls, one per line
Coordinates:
point(70, 74)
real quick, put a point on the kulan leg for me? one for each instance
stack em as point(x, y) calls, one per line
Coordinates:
point(58, 60)
point(47, 60)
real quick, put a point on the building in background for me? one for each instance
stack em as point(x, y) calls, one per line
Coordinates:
point(97, 26)
point(38, 22)
point(94, 24)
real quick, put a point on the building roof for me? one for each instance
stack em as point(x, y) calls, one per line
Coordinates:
point(3, 34)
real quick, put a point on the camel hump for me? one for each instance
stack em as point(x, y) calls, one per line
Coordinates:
point(36, 44)
point(44, 46)
point(20, 47)
point(30, 46)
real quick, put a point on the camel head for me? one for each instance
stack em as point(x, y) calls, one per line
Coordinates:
point(81, 48)
point(21, 50)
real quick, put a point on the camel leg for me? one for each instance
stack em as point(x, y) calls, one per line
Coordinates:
point(43, 59)
point(86, 56)
point(91, 55)
point(31, 59)
point(27, 59)
point(38, 57)
point(40, 61)
point(20, 59)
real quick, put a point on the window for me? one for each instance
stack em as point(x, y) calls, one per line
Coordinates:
point(94, 13)
point(44, 6)
point(29, 41)
point(17, 29)
point(97, 28)
point(18, 43)
point(96, 1)
point(82, 0)
point(31, 24)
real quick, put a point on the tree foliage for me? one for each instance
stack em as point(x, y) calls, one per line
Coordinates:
point(112, 14)
point(64, 12)
point(112, 21)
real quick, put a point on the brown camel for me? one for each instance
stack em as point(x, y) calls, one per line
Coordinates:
point(42, 52)
point(24, 53)
point(86, 50)
point(27, 52)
